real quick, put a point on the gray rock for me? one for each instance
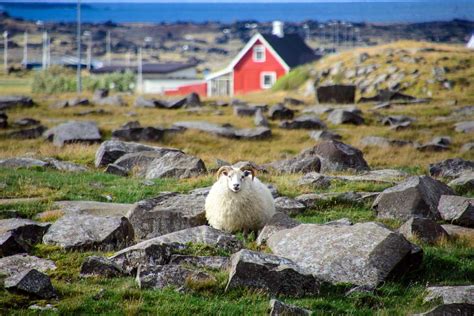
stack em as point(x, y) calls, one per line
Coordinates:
point(167, 213)
point(464, 182)
point(147, 134)
point(362, 254)
point(337, 156)
point(303, 122)
point(450, 309)
point(253, 133)
point(300, 163)
point(20, 235)
point(340, 116)
point(430, 147)
point(114, 100)
point(15, 264)
point(100, 266)
point(416, 196)
point(214, 262)
point(341, 221)
point(278, 308)
point(457, 210)
point(460, 232)
point(315, 180)
point(226, 131)
point(244, 110)
point(116, 170)
point(339, 94)
point(289, 206)
point(28, 133)
point(451, 294)
point(92, 208)
point(160, 277)
point(111, 150)
point(141, 102)
point(11, 101)
point(31, 282)
point(158, 250)
point(383, 142)
point(270, 273)
point(65, 165)
point(425, 229)
point(73, 132)
point(77, 102)
point(3, 120)
point(175, 165)
point(278, 222)
point(467, 147)
point(442, 140)
point(280, 112)
point(464, 127)
point(451, 168)
point(324, 135)
point(22, 162)
point(137, 163)
point(85, 232)
point(260, 119)
point(293, 101)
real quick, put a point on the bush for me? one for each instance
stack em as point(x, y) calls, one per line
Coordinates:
point(293, 80)
point(59, 79)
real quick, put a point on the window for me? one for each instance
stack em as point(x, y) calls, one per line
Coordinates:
point(259, 53)
point(267, 79)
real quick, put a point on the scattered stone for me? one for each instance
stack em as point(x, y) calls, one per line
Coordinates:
point(278, 308)
point(158, 250)
point(226, 131)
point(214, 262)
point(340, 116)
point(92, 208)
point(160, 277)
point(465, 127)
point(22, 162)
point(450, 309)
point(300, 163)
point(92, 112)
point(417, 196)
point(175, 165)
point(451, 294)
point(260, 119)
point(270, 273)
point(341, 221)
point(383, 142)
point(65, 165)
point(451, 168)
point(148, 134)
point(293, 101)
point(86, 232)
point(315, 180)
point(338, 94)
point(73, 132)
point(278, 222)
point(100, 266)
point(111, 150)
point(19, 235)
point(382, 175)
point(28, 133)
point(15, 264)
point(467, 147)
point(303, 122)
point(114, 100)
point(280, 112)
point(11, 101)
point(253, 133)
point(394, 120)
point(464, 182)
point(425, 229)
point(430, 147)
point(31, 282)
point(388, 95)
point(361, 254)
point(116, 170)
point(289, 206)
point(167, 213)
point(3, 120)
point(141, 102)
point(26, 122)
point(77, 102)
point(244, 110)
point(457, 210)
point(324, 135)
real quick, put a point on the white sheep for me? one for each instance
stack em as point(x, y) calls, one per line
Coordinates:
point(239, 201)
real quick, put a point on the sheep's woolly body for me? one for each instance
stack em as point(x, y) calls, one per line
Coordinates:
point(248, 209)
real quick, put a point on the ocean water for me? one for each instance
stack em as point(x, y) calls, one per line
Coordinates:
point(391, 11)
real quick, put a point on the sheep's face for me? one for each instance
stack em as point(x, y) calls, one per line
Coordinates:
point(236, 179)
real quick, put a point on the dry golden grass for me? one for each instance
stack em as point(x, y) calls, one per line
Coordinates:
point(49, 216)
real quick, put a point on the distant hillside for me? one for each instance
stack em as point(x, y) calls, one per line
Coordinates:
point(418, 68)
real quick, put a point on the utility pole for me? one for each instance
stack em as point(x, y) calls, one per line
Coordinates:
point(48, 51)
point(108, 48)
point(140, 72)
point(44, 60)
point(25, 49)
point(89, 49)
point(128, 58)
point(5, 51)
point(79, 82)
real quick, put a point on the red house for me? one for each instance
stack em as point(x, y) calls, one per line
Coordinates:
point(264, 59)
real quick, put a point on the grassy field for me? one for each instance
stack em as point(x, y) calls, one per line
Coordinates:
point(448, 262)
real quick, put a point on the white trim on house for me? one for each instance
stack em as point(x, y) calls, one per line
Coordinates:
point(263, 74)
point(218, 73)
point(256, 50)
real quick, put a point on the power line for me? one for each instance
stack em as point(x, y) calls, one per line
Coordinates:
point(79, 82)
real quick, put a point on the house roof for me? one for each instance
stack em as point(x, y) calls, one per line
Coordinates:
point(156, 68)
point(291, 48)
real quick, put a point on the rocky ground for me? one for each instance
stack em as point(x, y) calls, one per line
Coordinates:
point(102, 201)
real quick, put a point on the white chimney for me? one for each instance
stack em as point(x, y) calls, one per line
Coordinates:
point(278, 29)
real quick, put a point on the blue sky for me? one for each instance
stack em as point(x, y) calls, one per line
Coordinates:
point(235, 1)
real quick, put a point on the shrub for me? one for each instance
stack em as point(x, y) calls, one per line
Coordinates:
point(293, 80)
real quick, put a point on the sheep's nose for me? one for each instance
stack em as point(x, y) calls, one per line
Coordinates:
point(236, 186)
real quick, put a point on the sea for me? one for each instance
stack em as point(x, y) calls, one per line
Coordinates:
point(353, 11)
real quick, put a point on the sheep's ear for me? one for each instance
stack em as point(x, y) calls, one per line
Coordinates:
point(222, 170)
point(250, 169)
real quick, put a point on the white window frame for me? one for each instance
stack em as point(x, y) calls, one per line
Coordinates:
point(262, 79)
point(256, 49)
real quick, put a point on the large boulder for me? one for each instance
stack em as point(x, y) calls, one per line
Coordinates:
point(424, 229)
point(167, 213)
point(31, 282)
point(280, 112)
point(464, 182)
point(340, 94)
point(289, 206)
point(20, 235)
point(86, 232)
point(15, 264)
point(92, 208)
point(208, 262)
point(175, 165)
point(463, 294)
point(456, 231)
point(136, 163)
point(273, 274)
point(73, 132)
point(361, 254)
point(279, 221)
point(100, 266)
point(303, 122)
point(337, 156)
point(11, 101)
point(158, 250)
point(341, 116)
point(300, 163)
point(162, 276)
point(111, 150)
point(416, 196)
point(450, 310)
point(451, 168)
point(457, 210)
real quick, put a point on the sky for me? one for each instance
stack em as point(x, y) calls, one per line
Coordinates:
point(200, 1)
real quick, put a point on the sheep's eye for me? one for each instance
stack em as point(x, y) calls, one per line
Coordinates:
point(225, 173)
point(246, 173)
